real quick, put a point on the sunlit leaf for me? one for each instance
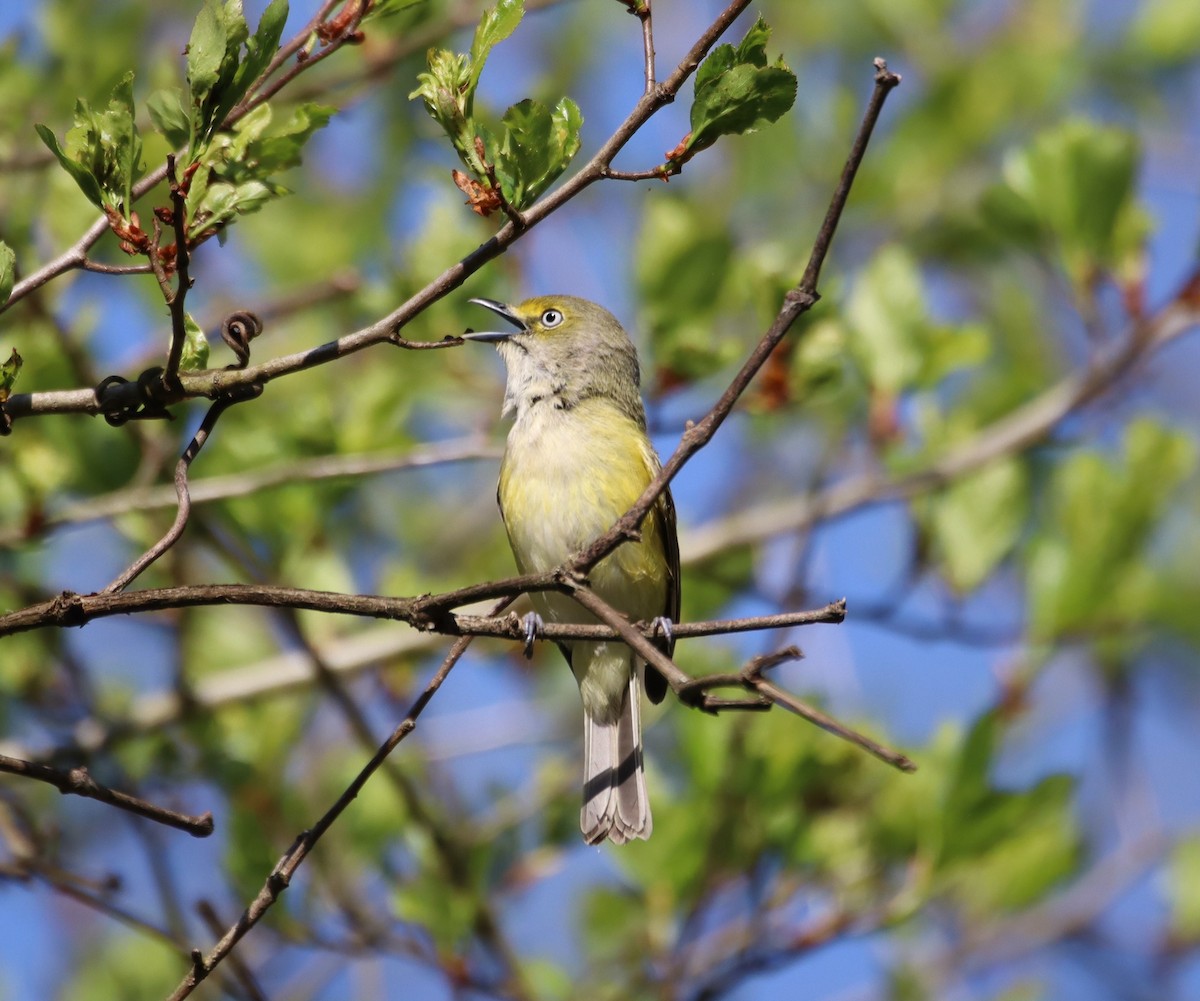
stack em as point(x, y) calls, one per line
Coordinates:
point(8, 266)
point(8, 374)
point(977, 521)
point(536, 146)
point(103, 149)
point(195, 346)
point(1072, 189)
point(170, 116)
point(737, 92)
point(1182, 885)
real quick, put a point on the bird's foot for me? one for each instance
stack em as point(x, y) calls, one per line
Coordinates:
point(663, 626)
point(534, 628)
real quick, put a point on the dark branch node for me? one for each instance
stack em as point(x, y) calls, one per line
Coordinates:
point(67, 609)
point(146, 399)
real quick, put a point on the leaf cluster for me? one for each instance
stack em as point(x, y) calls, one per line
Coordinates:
point(534, 144)
point(231, 153)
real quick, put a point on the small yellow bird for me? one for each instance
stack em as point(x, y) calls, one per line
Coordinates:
point(577, 458)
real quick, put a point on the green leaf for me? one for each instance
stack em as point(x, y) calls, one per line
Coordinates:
point(448, 91)
point(82, 175)
point(887, 313)
point(1088, 565)
point(1072, 188)
point(8, 269)
point(102, 149)
point(536, 147)
point(978, 520)
point(195, 346)
point(1002, 848)
point(260, 48)
point(496, 25)
point(8, 374)
point(206, 49)
point(218, 75)
point(170, 116)
point(737, 92)
point(238, 168)
point(1167, 31)
point(894, 340)
point(684, 259)
point(386, 8)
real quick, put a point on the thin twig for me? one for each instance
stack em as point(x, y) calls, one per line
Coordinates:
point(237, 969)
point(78, 782)
point(182, 513)
point(214, 488)
point(75, 257)
point(801, 708)
point(214, 382)
point(796, 302)
point(281, 876)
point(183, 282)
point(694, 691)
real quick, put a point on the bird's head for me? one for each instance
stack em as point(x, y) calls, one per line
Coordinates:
point(563, 349)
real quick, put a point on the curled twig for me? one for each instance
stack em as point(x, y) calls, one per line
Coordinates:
point(238, 330)
point(181, 489)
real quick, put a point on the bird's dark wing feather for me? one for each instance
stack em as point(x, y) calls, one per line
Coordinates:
point(664, 515)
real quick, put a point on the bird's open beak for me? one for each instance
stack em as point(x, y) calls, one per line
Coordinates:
point(500, 309)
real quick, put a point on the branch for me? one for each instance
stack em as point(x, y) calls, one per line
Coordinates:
point(75, 257)
point(214, 488)
point(795, 303)
point(281, 876)
point(428, 612)
point(641, 10)
point(183, 281)
point(215, 382)
point(1018, 430)
point(181, 490)
point(694, 691)
point(78, 782)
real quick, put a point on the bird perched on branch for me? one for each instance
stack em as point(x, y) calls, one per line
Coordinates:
point(577, 459)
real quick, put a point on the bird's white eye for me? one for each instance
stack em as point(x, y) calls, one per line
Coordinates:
point(551, 318)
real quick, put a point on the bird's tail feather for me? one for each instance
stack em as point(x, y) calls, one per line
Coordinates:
point(615, 804)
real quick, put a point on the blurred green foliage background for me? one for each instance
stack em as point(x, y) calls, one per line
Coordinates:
point(984, 436)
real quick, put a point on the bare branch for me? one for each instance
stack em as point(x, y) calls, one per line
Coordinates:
point(694, 691)
point(797, 301)
point(181, 490)
point(183, 281)
point(78, 782)
point(293, 858)
point(801, 708)
point(428, 612)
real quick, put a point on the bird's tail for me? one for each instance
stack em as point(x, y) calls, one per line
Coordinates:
point(615, 804)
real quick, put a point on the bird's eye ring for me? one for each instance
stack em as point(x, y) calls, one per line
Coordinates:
point(551, 318)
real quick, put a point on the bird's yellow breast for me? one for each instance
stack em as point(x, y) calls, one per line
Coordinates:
point(567, 476)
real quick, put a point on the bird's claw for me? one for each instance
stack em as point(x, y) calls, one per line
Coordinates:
point(534, 628)
point(661, 624)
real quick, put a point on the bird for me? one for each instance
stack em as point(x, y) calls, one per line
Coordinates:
point(576, 459)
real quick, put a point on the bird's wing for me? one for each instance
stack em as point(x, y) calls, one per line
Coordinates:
point(665, 521)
